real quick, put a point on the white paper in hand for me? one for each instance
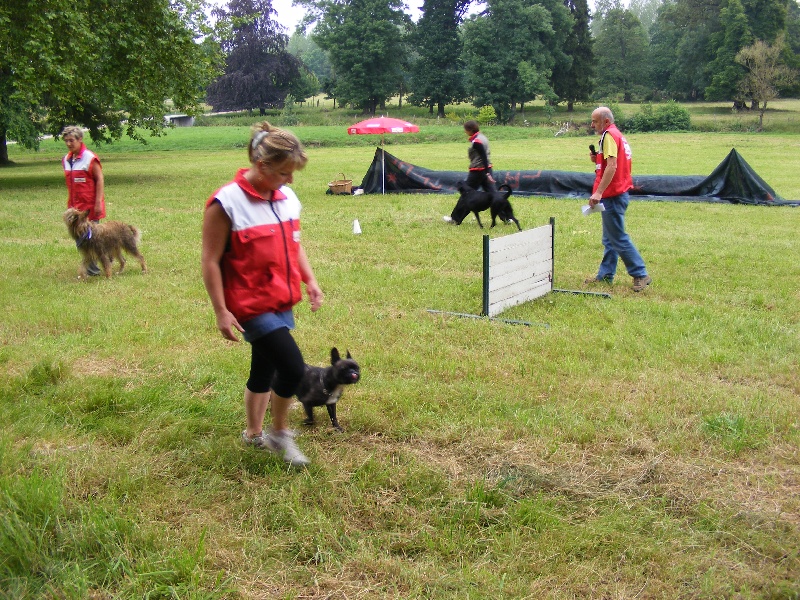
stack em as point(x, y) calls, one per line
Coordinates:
point(587, 210)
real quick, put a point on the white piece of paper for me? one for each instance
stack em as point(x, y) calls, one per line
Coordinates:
point(587, 210)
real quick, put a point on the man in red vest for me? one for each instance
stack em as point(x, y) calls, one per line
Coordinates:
point(611, 185)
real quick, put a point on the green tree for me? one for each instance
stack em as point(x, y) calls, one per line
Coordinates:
point(506, 74)
point(259, 72)
point(601, 9)
point(437, 71)
point(646, 11)
point(791, 52)
point(725, 72)
point(109, 65)
point(365, 42)
point(573, 82)
point(767, 18)
point(310, 54)
point(681, 48)
point(622, 56)
point(765, 74)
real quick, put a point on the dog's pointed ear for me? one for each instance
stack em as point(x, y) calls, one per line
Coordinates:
point(335, 356)
point(348, 355)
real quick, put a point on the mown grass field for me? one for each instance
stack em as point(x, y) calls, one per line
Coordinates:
point(643, 446)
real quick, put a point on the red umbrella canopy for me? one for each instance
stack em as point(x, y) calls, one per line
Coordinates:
point(382, 125)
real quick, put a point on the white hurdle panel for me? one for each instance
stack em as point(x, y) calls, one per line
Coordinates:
point(517, 268)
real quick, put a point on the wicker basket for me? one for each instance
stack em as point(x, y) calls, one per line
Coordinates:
point(341, 186)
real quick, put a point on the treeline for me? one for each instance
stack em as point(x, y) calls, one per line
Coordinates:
point(362, 52)
point(118, 67)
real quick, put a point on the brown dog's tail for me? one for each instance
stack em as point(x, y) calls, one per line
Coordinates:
point(137, 235)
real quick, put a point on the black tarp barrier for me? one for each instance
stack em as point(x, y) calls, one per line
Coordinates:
point(733, 181)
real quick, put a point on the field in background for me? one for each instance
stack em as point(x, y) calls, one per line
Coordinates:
point(643, 446)
point(782, 116)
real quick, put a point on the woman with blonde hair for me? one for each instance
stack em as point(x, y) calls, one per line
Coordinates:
point(253, 264)
point(84, 178)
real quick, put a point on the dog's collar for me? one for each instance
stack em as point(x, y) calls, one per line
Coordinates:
point(84, 238)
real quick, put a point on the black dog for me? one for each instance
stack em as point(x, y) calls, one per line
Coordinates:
point(501, 207)
point(323, 386)
point(475, 201)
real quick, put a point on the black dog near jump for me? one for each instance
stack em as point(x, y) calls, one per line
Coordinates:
point(323, 386)
point(475, 201)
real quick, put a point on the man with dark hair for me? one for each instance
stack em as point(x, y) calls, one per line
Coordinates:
point(480, 159)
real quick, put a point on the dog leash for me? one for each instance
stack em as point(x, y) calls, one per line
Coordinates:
point(84, 238)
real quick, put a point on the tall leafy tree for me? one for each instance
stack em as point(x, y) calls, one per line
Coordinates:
point(437, 71)
point(601, 9)
point(681, 46)
point(725, 72)
point(503, 75)
point(572, 82)
point(106, 64)
point(622, 56)
point(766, 18)
point(310, 54)
point(365, 42)
point(791, 53)
point(646, 11)
point(259, 71)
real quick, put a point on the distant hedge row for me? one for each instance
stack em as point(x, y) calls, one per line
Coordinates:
point(669, 116)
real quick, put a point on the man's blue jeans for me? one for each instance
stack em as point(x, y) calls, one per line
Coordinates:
point(617, 242)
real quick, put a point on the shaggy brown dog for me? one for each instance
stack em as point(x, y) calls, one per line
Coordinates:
point(103, 242)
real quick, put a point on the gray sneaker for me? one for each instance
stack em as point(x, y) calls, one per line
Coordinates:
point(639, 283)
point(282, 444)
point(259, 442)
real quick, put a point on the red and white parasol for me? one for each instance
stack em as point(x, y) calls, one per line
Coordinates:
point(382, 126)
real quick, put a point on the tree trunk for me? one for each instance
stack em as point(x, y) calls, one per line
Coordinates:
point(440, 112)
point(570, 106)
point(3, 149)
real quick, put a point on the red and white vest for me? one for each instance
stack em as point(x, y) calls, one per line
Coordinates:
point(622, 180)
point(81, 185)
point(260, 269)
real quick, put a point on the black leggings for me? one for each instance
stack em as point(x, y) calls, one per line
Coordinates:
point(276, 363)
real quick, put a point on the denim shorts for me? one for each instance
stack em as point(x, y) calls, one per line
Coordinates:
point(267, 323)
